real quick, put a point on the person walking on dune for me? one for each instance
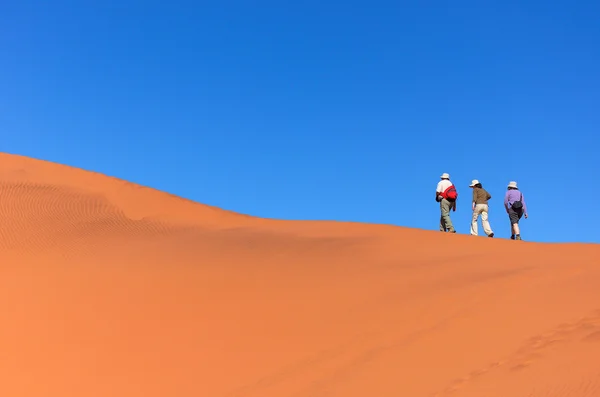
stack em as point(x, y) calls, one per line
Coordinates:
point(480, 207)
point(446, 195)
point(514, 203)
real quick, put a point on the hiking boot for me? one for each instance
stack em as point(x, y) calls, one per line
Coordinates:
point(491, 235)
point(512, 236)
point(518, 237)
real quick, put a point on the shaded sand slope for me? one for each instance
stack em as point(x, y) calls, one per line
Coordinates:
point(111, 289)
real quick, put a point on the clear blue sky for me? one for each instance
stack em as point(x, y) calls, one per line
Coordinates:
point(317, 110)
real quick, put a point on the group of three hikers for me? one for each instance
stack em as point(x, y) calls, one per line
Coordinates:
point(514, 203)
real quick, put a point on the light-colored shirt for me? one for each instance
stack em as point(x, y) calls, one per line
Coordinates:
point(514, 195)
point(443, 185)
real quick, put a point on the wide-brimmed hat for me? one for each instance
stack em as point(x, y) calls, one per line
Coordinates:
point(445, 175)
point(512, 184)
point(474, 182)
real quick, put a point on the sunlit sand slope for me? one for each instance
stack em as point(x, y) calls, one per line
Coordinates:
point(112, 289)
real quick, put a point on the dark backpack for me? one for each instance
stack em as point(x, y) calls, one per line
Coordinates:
point(517, 205)
point(450, 193)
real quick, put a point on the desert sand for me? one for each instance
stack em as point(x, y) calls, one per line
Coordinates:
point(113, 289)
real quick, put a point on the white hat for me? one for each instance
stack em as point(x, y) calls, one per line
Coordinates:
point(445, 175)
point(474, 182)
point(512, 184)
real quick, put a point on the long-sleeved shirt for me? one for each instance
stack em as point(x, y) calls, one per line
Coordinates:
point(480, 196)
point(513, 195)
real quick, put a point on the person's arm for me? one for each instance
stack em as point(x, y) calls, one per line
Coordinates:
point(474, 199)
point(489, 196)
point(506, 201)
point(524, 205)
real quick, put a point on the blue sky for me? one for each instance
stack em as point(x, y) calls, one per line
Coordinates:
point(314, 109)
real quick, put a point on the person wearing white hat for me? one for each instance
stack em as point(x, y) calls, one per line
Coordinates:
point(515, 206)
point(446, 195)
point(480, 207)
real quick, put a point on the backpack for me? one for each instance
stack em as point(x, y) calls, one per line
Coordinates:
point(517, 205)
point(450, 193)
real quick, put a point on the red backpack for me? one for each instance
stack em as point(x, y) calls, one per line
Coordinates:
point(450, 193)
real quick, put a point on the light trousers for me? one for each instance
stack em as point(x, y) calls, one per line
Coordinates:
point(481, 209)
point(445, 221)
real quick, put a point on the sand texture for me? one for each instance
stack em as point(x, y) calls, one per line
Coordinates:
point(113, 289)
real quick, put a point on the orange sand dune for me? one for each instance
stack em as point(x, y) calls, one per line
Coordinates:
point(112, 289)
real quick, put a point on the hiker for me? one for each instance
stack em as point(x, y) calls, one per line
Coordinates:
point(480, 207)
point(514, 202)
point(446, 195)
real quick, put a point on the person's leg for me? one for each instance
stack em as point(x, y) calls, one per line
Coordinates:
point(474, 228)
point(514, 223)
point(485, 220)
point(442, 221)
point(446, 205)
point(518, 216)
